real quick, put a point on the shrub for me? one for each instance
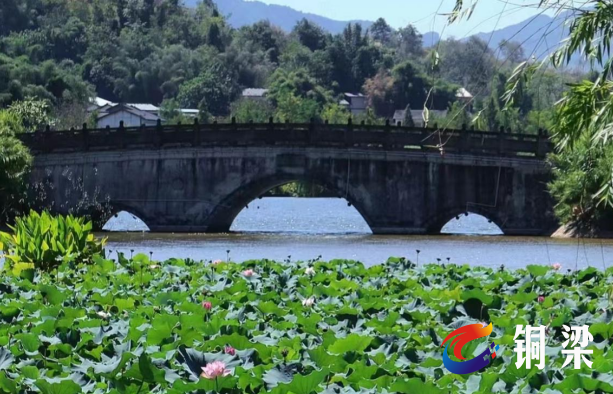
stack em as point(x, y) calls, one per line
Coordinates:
point(15, 160)
point(43, 242)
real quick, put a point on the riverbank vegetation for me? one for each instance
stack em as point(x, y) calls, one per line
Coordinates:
point(42, 242)
point(15, 161)
point(135, 325)
point(583, 118)
point(159, 52)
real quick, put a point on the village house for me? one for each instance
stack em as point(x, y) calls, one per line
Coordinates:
point(132, 114)
point(462, 95)
point(354, 103)
point(131, 117)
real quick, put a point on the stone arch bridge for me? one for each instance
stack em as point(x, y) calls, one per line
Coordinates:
point(197, 178)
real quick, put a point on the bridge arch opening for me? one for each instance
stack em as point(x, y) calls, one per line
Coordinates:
point(125, 221)
point(470, 223)
point(290, 206)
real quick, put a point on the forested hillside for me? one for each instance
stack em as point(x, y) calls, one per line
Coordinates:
point(159, 52)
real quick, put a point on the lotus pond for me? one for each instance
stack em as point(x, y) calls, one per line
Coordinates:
point(137, 326)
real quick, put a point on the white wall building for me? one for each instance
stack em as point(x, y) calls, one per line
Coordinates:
point(130, 116)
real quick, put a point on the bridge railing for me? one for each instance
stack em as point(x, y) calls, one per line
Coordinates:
point(386, 137)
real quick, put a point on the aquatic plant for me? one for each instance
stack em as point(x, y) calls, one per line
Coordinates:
point(43, 241)
point(122, 327)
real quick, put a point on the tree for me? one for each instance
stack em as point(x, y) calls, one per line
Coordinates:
point(470, 64)
point(70, 113)
point(310, 35)
point(247, 110)
point(214, 89)
point(378, 89)
point(369, 118)
point(15, 161)
point(34, 114)
point(263, 36)
point(214, 37)
point(578, 178)
point(170, 112)
point(410, 42)
point(410, 86)
point(335, 114)
point(298, 83)
point(295, 109)
point(512, 52)
point(456, 118)
point(381, 31)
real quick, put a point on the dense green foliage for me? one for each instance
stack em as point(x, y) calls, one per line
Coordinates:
point(15, 162)
point(139, 326)
point(44, 242)
point(64, 52)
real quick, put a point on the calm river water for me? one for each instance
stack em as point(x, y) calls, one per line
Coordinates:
point(306, 228)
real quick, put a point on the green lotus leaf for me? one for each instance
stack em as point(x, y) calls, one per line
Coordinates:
point(302, 384)
point(414, 385)
point(538, 270)
point(352, 343)
point(63, 387)
point(7, 385)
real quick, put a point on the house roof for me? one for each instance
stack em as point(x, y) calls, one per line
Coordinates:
point(189, 111)
point(127, 108)
point(144, 107)
point(399, 114)
point(463, 93)
point(343, 102)
point(255, 92)
point(352, 95)
point(99, 101)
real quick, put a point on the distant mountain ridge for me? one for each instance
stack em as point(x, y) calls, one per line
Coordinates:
point(538, 35)
point(529, 33)
point(241, 13)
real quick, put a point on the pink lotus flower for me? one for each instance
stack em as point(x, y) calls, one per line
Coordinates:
point(214, 370)
point(248, 273)
point(541, 299)
point(217, 262)
point(230, 350)
point(556, 266)
point(207, 305)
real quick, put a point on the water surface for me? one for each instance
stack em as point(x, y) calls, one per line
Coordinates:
point(304, 228)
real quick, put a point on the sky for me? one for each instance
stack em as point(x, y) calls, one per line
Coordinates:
point(426, 15)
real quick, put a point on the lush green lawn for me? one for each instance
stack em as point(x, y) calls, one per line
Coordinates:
point(140, 326)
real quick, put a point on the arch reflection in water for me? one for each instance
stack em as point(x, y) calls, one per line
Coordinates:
point(125, 222)
point(320, 215)
point(471, 224)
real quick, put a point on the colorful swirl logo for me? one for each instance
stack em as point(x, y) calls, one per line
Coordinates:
point(462, 336)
